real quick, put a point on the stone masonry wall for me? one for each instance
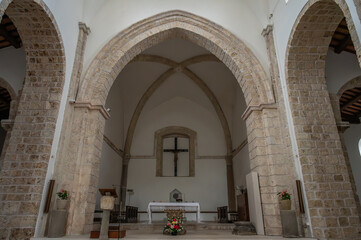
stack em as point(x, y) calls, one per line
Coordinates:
point(26, 159)
point(330, 198)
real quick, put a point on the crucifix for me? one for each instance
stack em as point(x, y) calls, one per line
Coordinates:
point(175, 151)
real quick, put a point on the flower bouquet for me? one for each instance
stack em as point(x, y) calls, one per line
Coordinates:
point(173, 226)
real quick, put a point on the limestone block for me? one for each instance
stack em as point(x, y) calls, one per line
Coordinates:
point(107, 203)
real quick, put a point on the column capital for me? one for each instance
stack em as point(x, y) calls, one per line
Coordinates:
point(90, 106)
point(267, 30)
point(83, 27)
point(259, 107)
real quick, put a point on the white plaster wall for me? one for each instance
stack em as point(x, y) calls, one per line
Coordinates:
point(340, 68)
point(114, 127)
point(352, 140)
point(110, 172)
point(233, 15)
point(12, 67)
point(179, 102)
point(208, 187)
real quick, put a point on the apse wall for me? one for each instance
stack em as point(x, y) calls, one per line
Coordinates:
point(179, 102)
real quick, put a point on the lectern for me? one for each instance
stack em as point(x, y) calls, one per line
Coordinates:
point(106, 204)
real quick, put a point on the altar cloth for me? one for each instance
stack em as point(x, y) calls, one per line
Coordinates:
point(173, 205)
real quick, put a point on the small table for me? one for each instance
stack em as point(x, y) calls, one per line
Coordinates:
point(172, 205)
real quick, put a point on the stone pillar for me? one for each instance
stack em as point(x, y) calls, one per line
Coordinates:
point(7, 125)
point(230, 185)
point(284, 128)
point(268, 157)
point(342, 126)
point(124, 181)
point(349, 169)
point(83, 163)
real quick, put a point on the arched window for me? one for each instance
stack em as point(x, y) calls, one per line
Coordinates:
point(359, 146)
point(175, 152)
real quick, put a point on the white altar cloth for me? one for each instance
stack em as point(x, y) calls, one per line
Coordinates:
point(172, 205)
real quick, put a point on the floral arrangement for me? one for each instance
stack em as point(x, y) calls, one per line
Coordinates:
point(284, 195)
point(174, 225)
point(63, 194)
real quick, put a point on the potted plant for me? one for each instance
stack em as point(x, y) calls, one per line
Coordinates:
point(285, 200)
point(62, 200)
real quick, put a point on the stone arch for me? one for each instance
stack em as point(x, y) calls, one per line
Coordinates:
point(322, 162)
point(178, 67)
point(152, 31)
point(261, 114)
point(5, 84)
point(36, 117)
point(355, 82)
point(175, 130)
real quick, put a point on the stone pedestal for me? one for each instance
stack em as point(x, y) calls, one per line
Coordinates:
point(106, 204)
point(289, 223)
point(57, 224)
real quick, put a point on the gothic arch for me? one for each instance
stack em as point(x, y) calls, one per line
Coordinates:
point(151, 31)
point(322, 163)
point(37, 114)
point(90, 115)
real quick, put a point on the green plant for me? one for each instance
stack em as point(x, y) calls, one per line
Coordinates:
point(284, 195)
point(63, 194)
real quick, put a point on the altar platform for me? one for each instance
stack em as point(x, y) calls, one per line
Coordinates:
point(159, 225)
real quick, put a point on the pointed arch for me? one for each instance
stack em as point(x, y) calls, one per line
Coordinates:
point(147, 33)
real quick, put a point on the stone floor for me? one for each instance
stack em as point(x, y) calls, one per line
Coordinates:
point(199, 234)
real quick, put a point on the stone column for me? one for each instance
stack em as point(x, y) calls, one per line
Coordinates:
point(268, 158)
point(82, 170)
point(341, 127)
point(230, 185)
point(7, 125)
point(124, 180)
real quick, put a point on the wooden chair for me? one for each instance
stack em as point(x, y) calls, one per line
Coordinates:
point(131, 214)
point(222, 213)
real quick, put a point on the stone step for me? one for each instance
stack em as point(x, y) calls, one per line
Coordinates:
point(160, 225)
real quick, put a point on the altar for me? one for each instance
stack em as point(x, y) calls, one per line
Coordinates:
point(173, 205)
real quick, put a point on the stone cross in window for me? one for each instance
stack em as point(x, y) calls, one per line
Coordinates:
point(175, 151)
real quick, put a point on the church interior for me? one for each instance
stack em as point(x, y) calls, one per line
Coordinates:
point(206, 119)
